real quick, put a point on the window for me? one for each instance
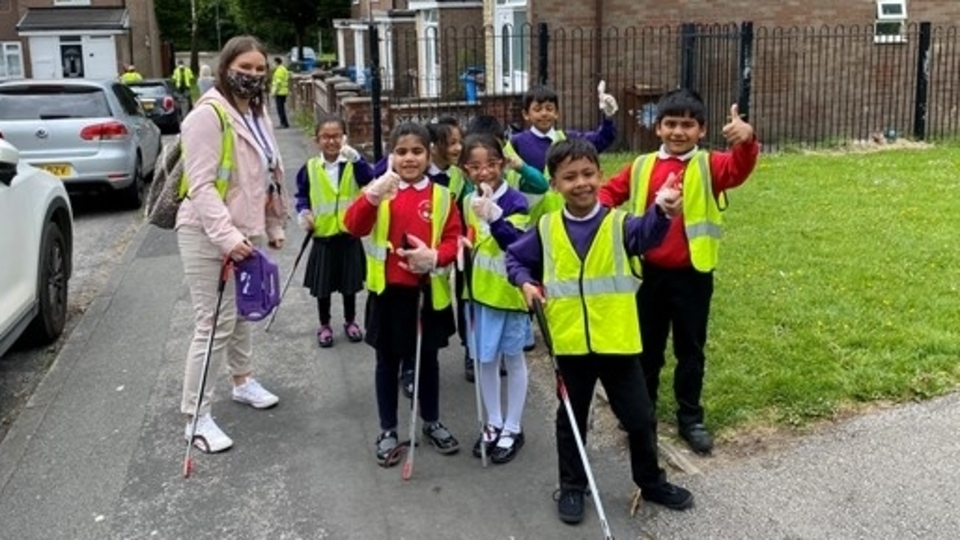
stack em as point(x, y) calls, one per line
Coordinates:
point(891, 21)
point(11, 60)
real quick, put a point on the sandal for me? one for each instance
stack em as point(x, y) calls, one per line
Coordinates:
point(354, 334)
point(325, 336)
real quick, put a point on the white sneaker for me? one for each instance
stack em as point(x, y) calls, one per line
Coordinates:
point(209, 437)
point(254, 395)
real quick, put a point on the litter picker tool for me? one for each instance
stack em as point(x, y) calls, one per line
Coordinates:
point(414, 404)
point(221, 285)
point(296, 262)
point(466, 266)
point(562, 390)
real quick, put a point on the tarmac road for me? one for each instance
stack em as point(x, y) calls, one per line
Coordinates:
point(97, 452)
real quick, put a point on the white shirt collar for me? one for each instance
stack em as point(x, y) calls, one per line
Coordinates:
point(434, 170)
point(419, 186)
point(663, 154)
point(549, 135)
point(339, 160)
point(587, 217)
point(499, 191)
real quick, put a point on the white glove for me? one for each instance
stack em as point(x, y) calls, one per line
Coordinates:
point(608, 104)
point(306, 220)
point(419, 260)
point(384, 188)
point(483, 206)
point(670, 196)
point(349, 153)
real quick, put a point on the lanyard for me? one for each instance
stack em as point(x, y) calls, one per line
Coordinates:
point(261, 139)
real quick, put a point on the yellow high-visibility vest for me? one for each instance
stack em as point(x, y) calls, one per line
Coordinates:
point(376, 245)
point(226, 166)
point(591, 304)
point(489, 284)
point(702, 219)
point(182, 78)
point(280, 82)
point(329, 206)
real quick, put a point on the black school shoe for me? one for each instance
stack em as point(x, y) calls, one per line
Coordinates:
point(697, 437)
point(441, 438)
point(501, 455)
point(569, 505)
point(492, 435)
point(666, 494)
point(387, 443)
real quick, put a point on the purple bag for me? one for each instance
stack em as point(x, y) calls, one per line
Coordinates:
point(258, 286)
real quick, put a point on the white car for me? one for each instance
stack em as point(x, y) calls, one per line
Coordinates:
point(36, 240)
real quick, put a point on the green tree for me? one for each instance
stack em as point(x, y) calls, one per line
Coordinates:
point(282, 22)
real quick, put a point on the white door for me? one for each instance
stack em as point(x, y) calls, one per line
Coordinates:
point(513, 38)
point(45, 57)
point(100, 57)
point(18, 290)
point(430, 53)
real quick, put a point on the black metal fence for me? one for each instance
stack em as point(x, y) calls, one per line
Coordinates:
point(802, 86)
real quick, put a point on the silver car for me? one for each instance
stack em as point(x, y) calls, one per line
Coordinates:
point(93, 135)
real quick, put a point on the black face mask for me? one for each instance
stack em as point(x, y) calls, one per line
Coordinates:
point(244, 85)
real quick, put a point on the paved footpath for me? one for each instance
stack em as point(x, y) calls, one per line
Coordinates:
point(97, 452)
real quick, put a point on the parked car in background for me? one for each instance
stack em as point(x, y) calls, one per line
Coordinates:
point(309, 58)
point(36, 238)
point(93, 135)
point(159, 100)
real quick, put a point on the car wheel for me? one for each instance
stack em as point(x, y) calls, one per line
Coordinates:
point(132, 195)
point(52, 287)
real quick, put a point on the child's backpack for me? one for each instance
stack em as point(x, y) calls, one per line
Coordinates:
point(258, 286)
point(169, 186)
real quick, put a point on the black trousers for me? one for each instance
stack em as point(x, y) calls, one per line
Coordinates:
point(677, 299)
point(349, 308)
point(282, 110)
point(621, 376)
point(388, 368)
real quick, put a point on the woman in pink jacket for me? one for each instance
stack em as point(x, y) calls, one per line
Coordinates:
point(211, 227)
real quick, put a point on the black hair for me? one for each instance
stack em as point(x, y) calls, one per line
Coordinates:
point(441, 131)
point(540, 94)
point(278, 60)
point(486, 124)
point(329, 119)
point(481, 140)
point(410, 128)
point(682, 102)
point(572, 149)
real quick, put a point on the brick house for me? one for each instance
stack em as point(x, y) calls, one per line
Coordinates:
point(414, 33)
point(808, 71)
point(78, 38)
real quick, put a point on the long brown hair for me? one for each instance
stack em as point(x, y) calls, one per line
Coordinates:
point(231, 50)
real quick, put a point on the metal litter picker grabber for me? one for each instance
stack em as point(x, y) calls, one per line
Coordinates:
point(296, 262)
point(221, 285)
point(562, 390)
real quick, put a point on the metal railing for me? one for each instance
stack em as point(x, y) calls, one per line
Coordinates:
point(798, 86)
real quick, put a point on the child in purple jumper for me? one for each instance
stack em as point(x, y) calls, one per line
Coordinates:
point(592, 322)
point(326, 185)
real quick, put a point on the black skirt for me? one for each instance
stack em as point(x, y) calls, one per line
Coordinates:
point(391, 321)
point(336, 264)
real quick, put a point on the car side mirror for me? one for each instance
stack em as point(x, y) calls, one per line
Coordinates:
point(9, 157)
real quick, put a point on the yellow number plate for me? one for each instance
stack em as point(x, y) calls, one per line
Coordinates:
point(57, 170)
point(147, 105)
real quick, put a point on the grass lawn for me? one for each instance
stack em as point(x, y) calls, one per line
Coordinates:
point(837, 286)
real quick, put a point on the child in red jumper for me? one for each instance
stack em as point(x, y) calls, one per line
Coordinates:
point(678, 274)
point(410, 227)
